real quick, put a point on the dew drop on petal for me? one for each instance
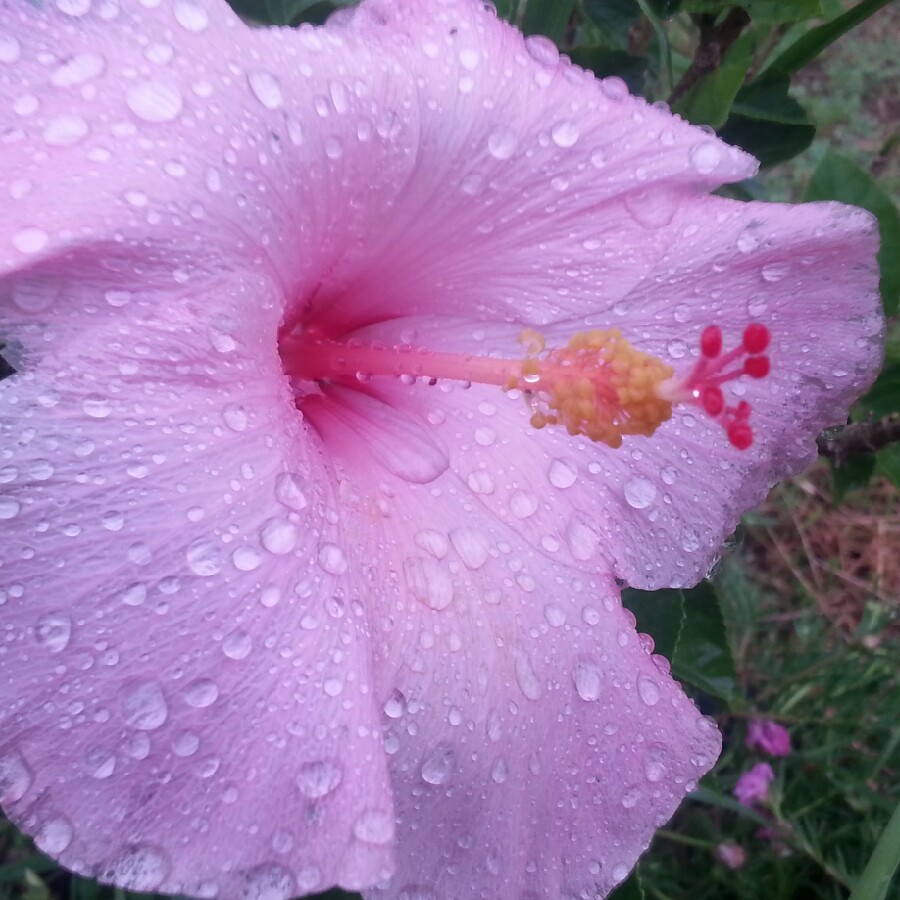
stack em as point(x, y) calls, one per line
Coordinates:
point(278, 536)
point(246, 559)
point(648, 690)
point(527, 678)
point(201, 693)
point(155, 101)
point(78, 69)
point(317, 779)
point(54, 632)
point(639, 492)
point(143, 705)
point(191, 16)
point(30, 239)
point(9, 508)
point(204, 557)
point(54, 835)
point(332, 559)
point(562, 474)
point(237, 644)
point(266, 88)
point(374, 827)
point(139, 868)
point(440, 764)
point(588, 680)
point(15, 777)
point(565, 134)
point(502, 143)
point(705, 157)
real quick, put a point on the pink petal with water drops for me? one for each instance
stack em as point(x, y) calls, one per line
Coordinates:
point(189, 703)
point(514, 687)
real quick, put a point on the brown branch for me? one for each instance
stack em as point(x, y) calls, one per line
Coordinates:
point(859, 437)
point(715, 41)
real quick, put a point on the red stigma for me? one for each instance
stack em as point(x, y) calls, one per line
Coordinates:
point(703, 387)
point(711, 341)
point(756, 338)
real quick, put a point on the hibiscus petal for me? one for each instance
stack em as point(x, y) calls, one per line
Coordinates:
point(534, 742)
point(188, 705)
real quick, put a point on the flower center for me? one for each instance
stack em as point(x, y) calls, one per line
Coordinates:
point(598, 385)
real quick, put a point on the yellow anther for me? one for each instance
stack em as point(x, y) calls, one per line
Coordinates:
point(598, 385)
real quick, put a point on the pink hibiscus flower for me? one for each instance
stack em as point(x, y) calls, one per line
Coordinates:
point(269, 626)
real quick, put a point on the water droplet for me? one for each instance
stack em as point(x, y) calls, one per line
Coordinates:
point(648, 690)
point(237, 644)
point(502, 143)
point(139, 868)
point(246, 559)
point(774, 272)
point(374, 827)
point(74, 8)
point(204, 557)
point(499, 770)
point(523, 504)
point(201, 692)
point(527, 678)
point(54, 632)
point(705, 157)
point(318, 779)
point(268, 881)
point(235, 417)
point(9, 508)
point(9, 48)
point(143, 705)
point(100, 763)
point(542, 50)
point(620, 872)
point(15, 778)
point(289, 491)
point(588, 678)
point(332, 559)
point(30, 239)
point(630, 798)
point(278, 536)
point(78, 69)
point(555, 615)
point(429, 582)
point(639, 492)
point(562, 474)
point(266, 88)
point(191, 16)
point(155, 101)
point(748, 240)
point(471, 545)
point(54, 835)
point(439, 766)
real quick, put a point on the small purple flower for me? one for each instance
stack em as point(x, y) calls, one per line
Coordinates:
point(768, 737)
point(731, 855)
point(753, 786)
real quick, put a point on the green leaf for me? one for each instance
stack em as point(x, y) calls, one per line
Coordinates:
point(767, 122)
point(839, 178)
point(805, 49)
point(767, 12)
point(287, 12)
point(708, 101)
point(702, 656)
point(882, 866)
point(853, 473)
point(549, 17)
point(612, 20)
point(659, 614)
point(887, 463)
point(603, 62)
point(884, 396)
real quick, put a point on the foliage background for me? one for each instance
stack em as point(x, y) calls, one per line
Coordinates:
point(800, 621)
